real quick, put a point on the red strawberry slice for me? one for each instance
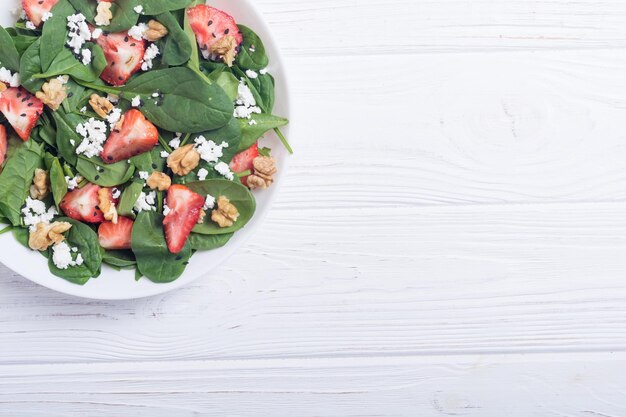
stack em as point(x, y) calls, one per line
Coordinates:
point(22, 110)
point(243, 161)
point(4, 144)
point(82, 204)
point(36, 9)
point(185, 207)
point(210, 25)
point(123, 54)
point(137, 136)
point(116, 236)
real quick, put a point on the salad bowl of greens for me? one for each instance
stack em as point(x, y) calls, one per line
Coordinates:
point(141, 141)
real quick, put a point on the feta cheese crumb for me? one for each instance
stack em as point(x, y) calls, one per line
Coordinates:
point(144, 175)
point(245, 105)
point(62, 256)
point(164, 154)
point(96, 33)
point(72, 183)
point(252, 122)
point(209, 203)
point(86, 54)
point(9, 78)
point(136, 101)
point(30, 25)
point(252, 74)
point(138, 31)
point(79, 32)
point(263, 71)
point(166, 210)
point(113, 98)
point(252, 49)
point(116, 193)
point(175, 143)
point(94, 133)
point(146, 202)
point(151, 52)
point(224, 170)
point(209, 150)
point(202, 174)
point(63, 79)
point(114, 116)
point(46, 16)
point(138, 9)
point(35, 212)
point(83, 109)
point(72, 142)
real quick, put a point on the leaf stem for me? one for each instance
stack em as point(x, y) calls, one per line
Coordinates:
point(6, 230)
point(184, 142)
point(165, 145)
point(244, 173)
point(284, 140)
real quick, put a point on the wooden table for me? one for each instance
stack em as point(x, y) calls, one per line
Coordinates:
point(451, 239)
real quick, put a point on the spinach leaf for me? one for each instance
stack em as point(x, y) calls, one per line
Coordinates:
point(154, 260)
point(47, 132)
point(246, 59)
point(54, 34)
point(66, 132)
point(57, 181)
point(264, 122)
point(104, 175)
point(75, 93)
point(266, 89)
point(21, 235)
point(85, 239)
point(22, 43)
point(129, 198)
point(228, 82)
point(30, 65)
point(194, 60)
point(65, 63)
point(86, 7)
point(124, 17)
point(208, 242)
point(239, 195)
point(9, 57)
point(155, 7)
point(121, 259)
point(16, 179)
point(177, 48)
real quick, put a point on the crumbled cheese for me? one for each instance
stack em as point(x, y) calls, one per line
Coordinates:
point(114, 116)
point(175, 143)
point(209, 150)
point(151, 52)
point(136, 101)
point(224, 170)
point(113, 98)
point(252, 74)
point(62, 256)
point(83, 109)
point(155, 95)
point(97, 32)
point(72, 142)
point(166, 210)
point(94, 133)
point(35, 212)
point(79, 32)
point(116, 193)
point(252, 122)
point(144, 175)
point(164, 154)
point(146, 202)
point(263, 71)
point(245, 105)
point(86, 54)
point(138, 31)
point(46, 16)
point(209, 203)
point(252, 49)
point(138, 9)
point(72, 183)
point(9, 78)
point(30, 25)
point(63, 79)
point(202, 174)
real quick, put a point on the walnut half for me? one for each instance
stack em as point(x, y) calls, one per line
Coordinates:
point(226, 214)
point(52, 93)
point(46, 235)
point(263, 173)
point(183, 160)
point(159, 180)
point(101, 105)
point(104, 14)
point(41, 185)
point(226, 48)
point(107, 205)
point(155, 31)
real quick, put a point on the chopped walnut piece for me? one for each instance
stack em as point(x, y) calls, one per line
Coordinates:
point(155, 31)
point(183, 160)
point(41, 185)
point(226, 48)
point(107, 205)
point(159, 180)
point(262, 175)
point(104, 16)
point(52, 93)
point(101, 105)
point(47, 234)
point(3, 87)
point(202, 216)
point(226, 214)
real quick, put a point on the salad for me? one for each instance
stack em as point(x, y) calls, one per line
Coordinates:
point(129, 133)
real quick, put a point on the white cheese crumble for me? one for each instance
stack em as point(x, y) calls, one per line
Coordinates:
point(86, 54)
point(144, 175)
point(146, 202)
point(138, 31)
point(113, 98)
point(9, 78)
point(151, 52)
point(252, 49)
point(62, 256)
point(83, 109)
point(94, 133)
point(166, 210)
point(224, 170)
point(252, 74)
point(46, 16)
point(114, 116)
point(209, 203)
point(116, 193)
point(164, 154)
point(97, 32)
point(202, 174)
point(136, 101)
point(35, 212)
point(175, 143)
point(72, 183)
point(138, 9)
point(263, 71)
point(209, 150)
point(252, 122)
point(245, 105)
point(72, 142)
point(78, 34)
point(30, 25)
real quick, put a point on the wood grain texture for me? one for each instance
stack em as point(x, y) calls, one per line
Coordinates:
point(450, 238)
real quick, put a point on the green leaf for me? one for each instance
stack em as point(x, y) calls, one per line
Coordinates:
point(85, 239)
point(129, 198)
point(266, 90)
point(154, 260)
point(264, 122)
point(155, 7)
point(194, 60)
point(30, 65)
point(21, 235)
point(54, 34)
point(208, 242)
point(86, 7)
point(228, 82)
point(104, 175)
point(75, 93)
point(66, 132)
point(238, 195)
point(256, 60)
point(22, 43)
point(178, 48)
point(65, 63)
point(124, 17)
point(9, 57)
point(16, 179)
point(121, 259)
point(57, 181)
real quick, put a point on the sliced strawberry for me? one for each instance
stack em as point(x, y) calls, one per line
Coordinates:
point(243, 161)
point(123, 54)
point(22, 110)
point(4, 144)
point(210, 25)
point(185, 207)
point(116, 236)
point(36, 9)
point(82, 204)
point(137, 136)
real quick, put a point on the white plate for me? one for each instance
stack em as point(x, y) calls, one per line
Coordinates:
point(114, 285)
